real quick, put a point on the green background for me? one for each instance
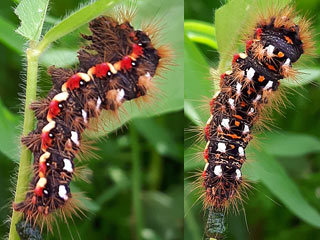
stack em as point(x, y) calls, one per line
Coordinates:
point(284, 165)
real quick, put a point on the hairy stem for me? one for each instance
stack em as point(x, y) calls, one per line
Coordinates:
point(25, 159)
point(136, 182)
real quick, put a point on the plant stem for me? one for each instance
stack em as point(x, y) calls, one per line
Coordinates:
point(136, 182)
point(28, 124)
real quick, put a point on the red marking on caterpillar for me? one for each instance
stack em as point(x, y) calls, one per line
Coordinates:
point(275, 44)
point(121, 69)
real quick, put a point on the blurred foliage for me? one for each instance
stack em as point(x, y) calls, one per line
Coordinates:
point(284, 166)
point(156, 130)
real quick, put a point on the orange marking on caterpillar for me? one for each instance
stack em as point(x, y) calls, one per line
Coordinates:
point(280, 54)
point(261, 78)
point(234, 136)
point(258, 33)
point(289, 40)
point(237, 123)
point(238, 117)
point(271, 67)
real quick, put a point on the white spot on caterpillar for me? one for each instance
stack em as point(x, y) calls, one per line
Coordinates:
point(287, 62)
point(44, 157)
point(241, 151)
point(74, 137)
point(206, 166)
point(84, 76)
point(218, 170)
point(238, 87)
point(268, 85)
point(42, 182)
point(270, 50)
point(47, 128)
point(207, 145)
point(98, 103)
point(67, 165)
point(120, 95)
point(112, 69)
point(147, 75)
point(61, 97)
point(231, 102)
point(45, 192)
point(221, 147)
point(257, 98)
point(63, 192)
point(84, 115)
point(246, 129)
point(228, 72)
point(225, 123)
point(209, 120)
point(250, 73)
point(251, 111)
point(243, 55)
point(216, 94)
point(238, 174)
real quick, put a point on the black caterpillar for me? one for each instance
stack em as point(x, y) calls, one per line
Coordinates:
point(276, 44)
point(116, 66)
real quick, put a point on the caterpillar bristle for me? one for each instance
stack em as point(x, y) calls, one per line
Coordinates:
point(31, 141)
point(125, 13)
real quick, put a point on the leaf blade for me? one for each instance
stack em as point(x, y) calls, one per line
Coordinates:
point(31, 14)
point(74, 21)
point(274, 177)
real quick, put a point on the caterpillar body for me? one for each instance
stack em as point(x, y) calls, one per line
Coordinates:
point(116, 66)
point(277, 42)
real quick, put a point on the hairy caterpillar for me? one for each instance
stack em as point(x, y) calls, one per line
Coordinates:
point(278, 40)
point(116, 66)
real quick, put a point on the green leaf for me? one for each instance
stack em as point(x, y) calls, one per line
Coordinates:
point(191, 161)
point(196, 80)
point(32, 14)
point(272, 174)
point(8, 37)
point(287, 144)
point(158, 136)
point(74, 21)
point(59, 57)
point(201, 32)
point(305, 76)
point(190, 219)
point(9, 131)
